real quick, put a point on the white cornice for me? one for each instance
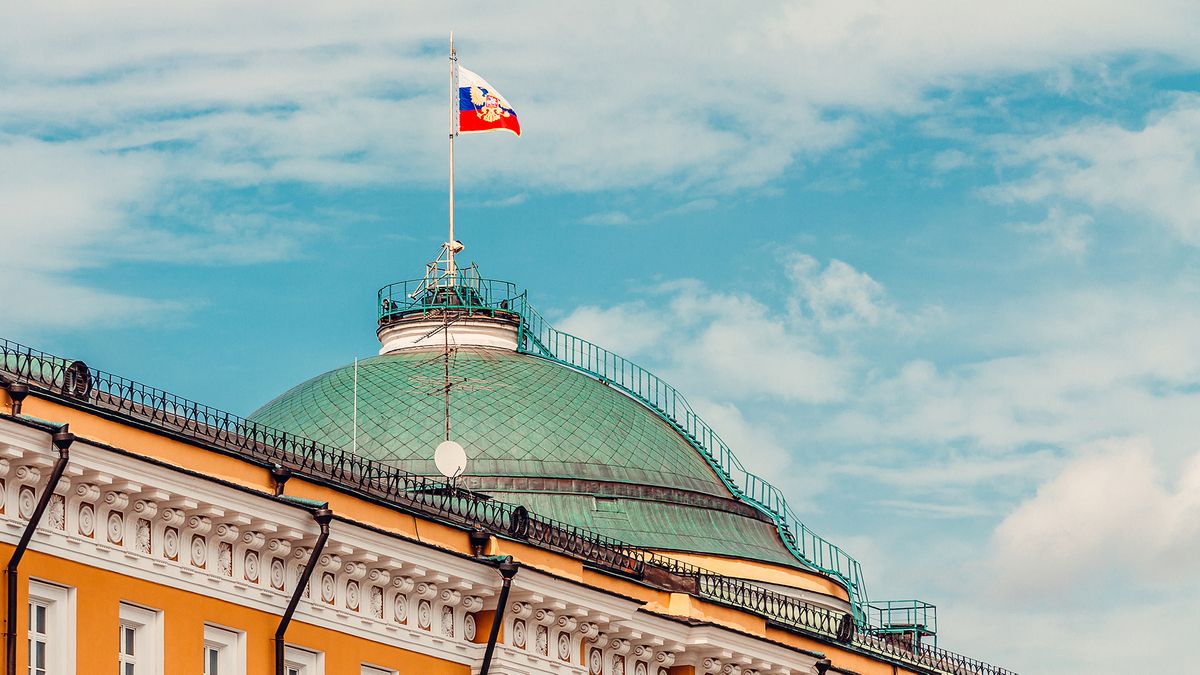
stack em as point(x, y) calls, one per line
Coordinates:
point(371, 584)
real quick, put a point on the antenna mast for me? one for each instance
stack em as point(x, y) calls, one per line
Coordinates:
point(452, 245)
point(354, 442)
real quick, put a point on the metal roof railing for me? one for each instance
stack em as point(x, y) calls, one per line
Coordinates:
point(468, 292)
point(139, 404)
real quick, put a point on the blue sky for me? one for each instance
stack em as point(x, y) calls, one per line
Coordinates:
point(930, 266)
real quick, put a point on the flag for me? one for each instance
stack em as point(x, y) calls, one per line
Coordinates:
point(481, 108)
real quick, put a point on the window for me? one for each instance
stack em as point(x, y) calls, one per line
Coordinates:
point(300, 661)
point(139, 641)
point(127, 652)
point(39, 638)
point(376, 670)
point(51, 629)
point(224, 651)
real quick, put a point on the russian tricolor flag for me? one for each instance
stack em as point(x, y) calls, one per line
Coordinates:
point(481, 108)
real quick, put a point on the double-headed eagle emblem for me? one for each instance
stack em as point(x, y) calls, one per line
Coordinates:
point(487, 105)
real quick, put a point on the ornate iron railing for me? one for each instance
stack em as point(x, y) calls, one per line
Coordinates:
point(176, 416)
point(469, 292)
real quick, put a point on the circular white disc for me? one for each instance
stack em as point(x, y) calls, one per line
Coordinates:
point(450, 459)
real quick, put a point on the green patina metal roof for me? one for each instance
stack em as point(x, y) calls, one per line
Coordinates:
point(522, 416)
point(515, 414)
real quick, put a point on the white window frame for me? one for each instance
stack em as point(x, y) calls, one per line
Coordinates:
point(368, 669)
point(302, 661)
point(230, 644)
point(147, 628)
point(59, 602)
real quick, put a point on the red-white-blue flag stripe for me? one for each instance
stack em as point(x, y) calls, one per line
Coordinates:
point(481, 108)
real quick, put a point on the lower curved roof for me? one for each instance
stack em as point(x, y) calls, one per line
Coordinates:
point(536, 433)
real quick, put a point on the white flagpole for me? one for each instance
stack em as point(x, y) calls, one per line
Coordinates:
point(453, 111)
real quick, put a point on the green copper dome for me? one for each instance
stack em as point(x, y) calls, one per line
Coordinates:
point(536, 433)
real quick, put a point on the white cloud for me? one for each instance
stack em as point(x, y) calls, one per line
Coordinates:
point(1147, 634)
point(793, 347)
point(949, 160)
point(1064, 232)
point(934, 510)
point(57, 214)
point(45, 302)
point(942, 476)
point(355, 95)
point(70, 209)
point(624, 329)
point(607, 218)
point(1060, 369)
point(56, 206)
point(838, 296)
point(1110, 515)
point(691, 206)
point(504, 202)
point(1151, 172)
point(746, 352)
point(190, 100)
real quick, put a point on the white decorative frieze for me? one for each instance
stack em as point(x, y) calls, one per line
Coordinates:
point(86, 519)
point(26, 501)
point(173, 517)
point(376, 601)
point(227, 532)
point(589, 631)
point(425, 591)
point(217, 540)
point(31, 475)
point(424, 614)
point(56, 512)
point(116, 528)
point(116, 500)
point(198, 551)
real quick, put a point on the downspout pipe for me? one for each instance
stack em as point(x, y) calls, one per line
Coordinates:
point(322, 515)
point(17, 391)
point(62, 441)
point(507, 569)
point(825, 666)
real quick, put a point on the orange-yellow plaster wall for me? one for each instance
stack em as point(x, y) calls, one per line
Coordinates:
point(764, 572)
point(684, 605)
point(839, 657)
point(98, 594)
point(132, 439)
